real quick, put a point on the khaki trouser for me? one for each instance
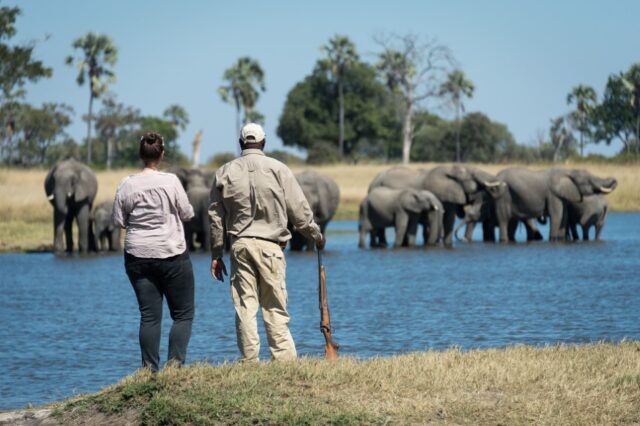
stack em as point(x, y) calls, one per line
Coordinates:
point(258, 280)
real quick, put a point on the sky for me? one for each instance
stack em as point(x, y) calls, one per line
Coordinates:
point(522, 56)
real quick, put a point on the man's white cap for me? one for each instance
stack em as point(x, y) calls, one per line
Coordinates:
point(252, 132)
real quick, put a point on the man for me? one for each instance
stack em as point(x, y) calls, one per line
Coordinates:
point(254, 197)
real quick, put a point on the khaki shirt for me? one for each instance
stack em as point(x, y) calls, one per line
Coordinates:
point(256, 196)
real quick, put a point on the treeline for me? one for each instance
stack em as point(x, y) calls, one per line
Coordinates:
point(36, 135)
point(345, 110)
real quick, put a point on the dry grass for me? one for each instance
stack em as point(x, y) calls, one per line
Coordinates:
point(24, 208)
point(569, 385)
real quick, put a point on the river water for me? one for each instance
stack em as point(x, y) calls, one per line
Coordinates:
point(70, 324)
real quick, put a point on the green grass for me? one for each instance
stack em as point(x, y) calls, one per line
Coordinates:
point(569, 385)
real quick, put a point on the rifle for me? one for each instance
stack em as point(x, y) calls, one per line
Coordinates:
point(330, 347)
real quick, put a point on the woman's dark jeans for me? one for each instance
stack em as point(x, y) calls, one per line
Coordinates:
point(151, 280)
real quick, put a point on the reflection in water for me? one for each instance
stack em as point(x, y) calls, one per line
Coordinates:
point(69, 325)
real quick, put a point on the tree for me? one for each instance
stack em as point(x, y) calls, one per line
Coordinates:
point(177, 115)
point(308, 117)
point(115, 123)
point(244, 79)
point(37, 130)
point(98, 52)
point(17, 65)
point(341, 53)
point(614, 116)
point(413, 71)
point(585, 99)
point(631, 81)
point(562, 139)
point(456, 87)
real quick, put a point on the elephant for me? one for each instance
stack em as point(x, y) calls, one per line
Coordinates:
point(71, 188)
point(455, 186)
point(195, 181)
point(591, 211)
point(535, 194)
point(401, 208)
point(323, 196)
point(483, 210)
point(106, 232)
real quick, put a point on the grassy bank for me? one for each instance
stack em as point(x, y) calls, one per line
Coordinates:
point(26, 215)
point(569, 385)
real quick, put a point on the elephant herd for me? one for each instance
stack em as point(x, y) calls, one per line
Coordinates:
point(71, 188)
point(405, 198)
point(400, 197)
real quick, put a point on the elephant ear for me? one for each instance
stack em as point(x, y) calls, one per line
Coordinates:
point(49, 182)
point(450, 191)
point(411, 201)
point(85, 185)
point(565, 188)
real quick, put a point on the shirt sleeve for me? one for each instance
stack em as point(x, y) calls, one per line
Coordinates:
point(217, 214)
point(119, 216)
point(298, 209)
point(185, 209)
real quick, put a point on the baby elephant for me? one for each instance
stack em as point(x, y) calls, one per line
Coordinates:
point(106, 232)
point(401, 208)
point(591, 211)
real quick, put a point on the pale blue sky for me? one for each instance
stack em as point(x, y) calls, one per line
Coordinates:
point(523, 56)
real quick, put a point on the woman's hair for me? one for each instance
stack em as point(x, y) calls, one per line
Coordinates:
point(151, 147)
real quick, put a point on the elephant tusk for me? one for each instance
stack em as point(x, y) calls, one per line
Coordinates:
point(51, 197)
point(435, 208)
point(492, 184)
point(605, 190)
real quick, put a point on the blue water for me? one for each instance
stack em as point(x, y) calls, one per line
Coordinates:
point(70, 325)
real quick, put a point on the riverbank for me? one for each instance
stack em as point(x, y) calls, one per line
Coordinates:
point(569, 385)
point(26, 215)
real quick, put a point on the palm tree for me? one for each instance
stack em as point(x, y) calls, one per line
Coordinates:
point(98, 52)
point(585, 99)
point(341, 52)
point(456, 87)
point(242, 79)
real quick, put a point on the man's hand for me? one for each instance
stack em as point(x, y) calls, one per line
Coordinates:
point(218, 269)
point(321, 243)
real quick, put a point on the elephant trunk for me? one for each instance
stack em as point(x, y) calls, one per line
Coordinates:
point(455, 232)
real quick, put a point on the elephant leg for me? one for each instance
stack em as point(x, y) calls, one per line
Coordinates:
point(115, 240)
point(382, 238)
point(448, 220)
point(59, 230)
point(362, 232)
point(557, 215)
point(82, 216)
point(434, 223)
point(488, 232)
point(599, 227)
point(532, 230)
point(68, 232)
point(585, 233)
point(401, 224)
point(411, 233)
point(468, 232)
point(512, 227)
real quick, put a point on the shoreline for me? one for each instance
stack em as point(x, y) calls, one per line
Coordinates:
point(597, 383)
point(42, 244)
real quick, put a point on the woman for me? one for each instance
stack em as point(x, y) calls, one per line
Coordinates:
point(151, 205)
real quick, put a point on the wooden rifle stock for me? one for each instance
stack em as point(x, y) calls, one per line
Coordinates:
point(330, 347)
